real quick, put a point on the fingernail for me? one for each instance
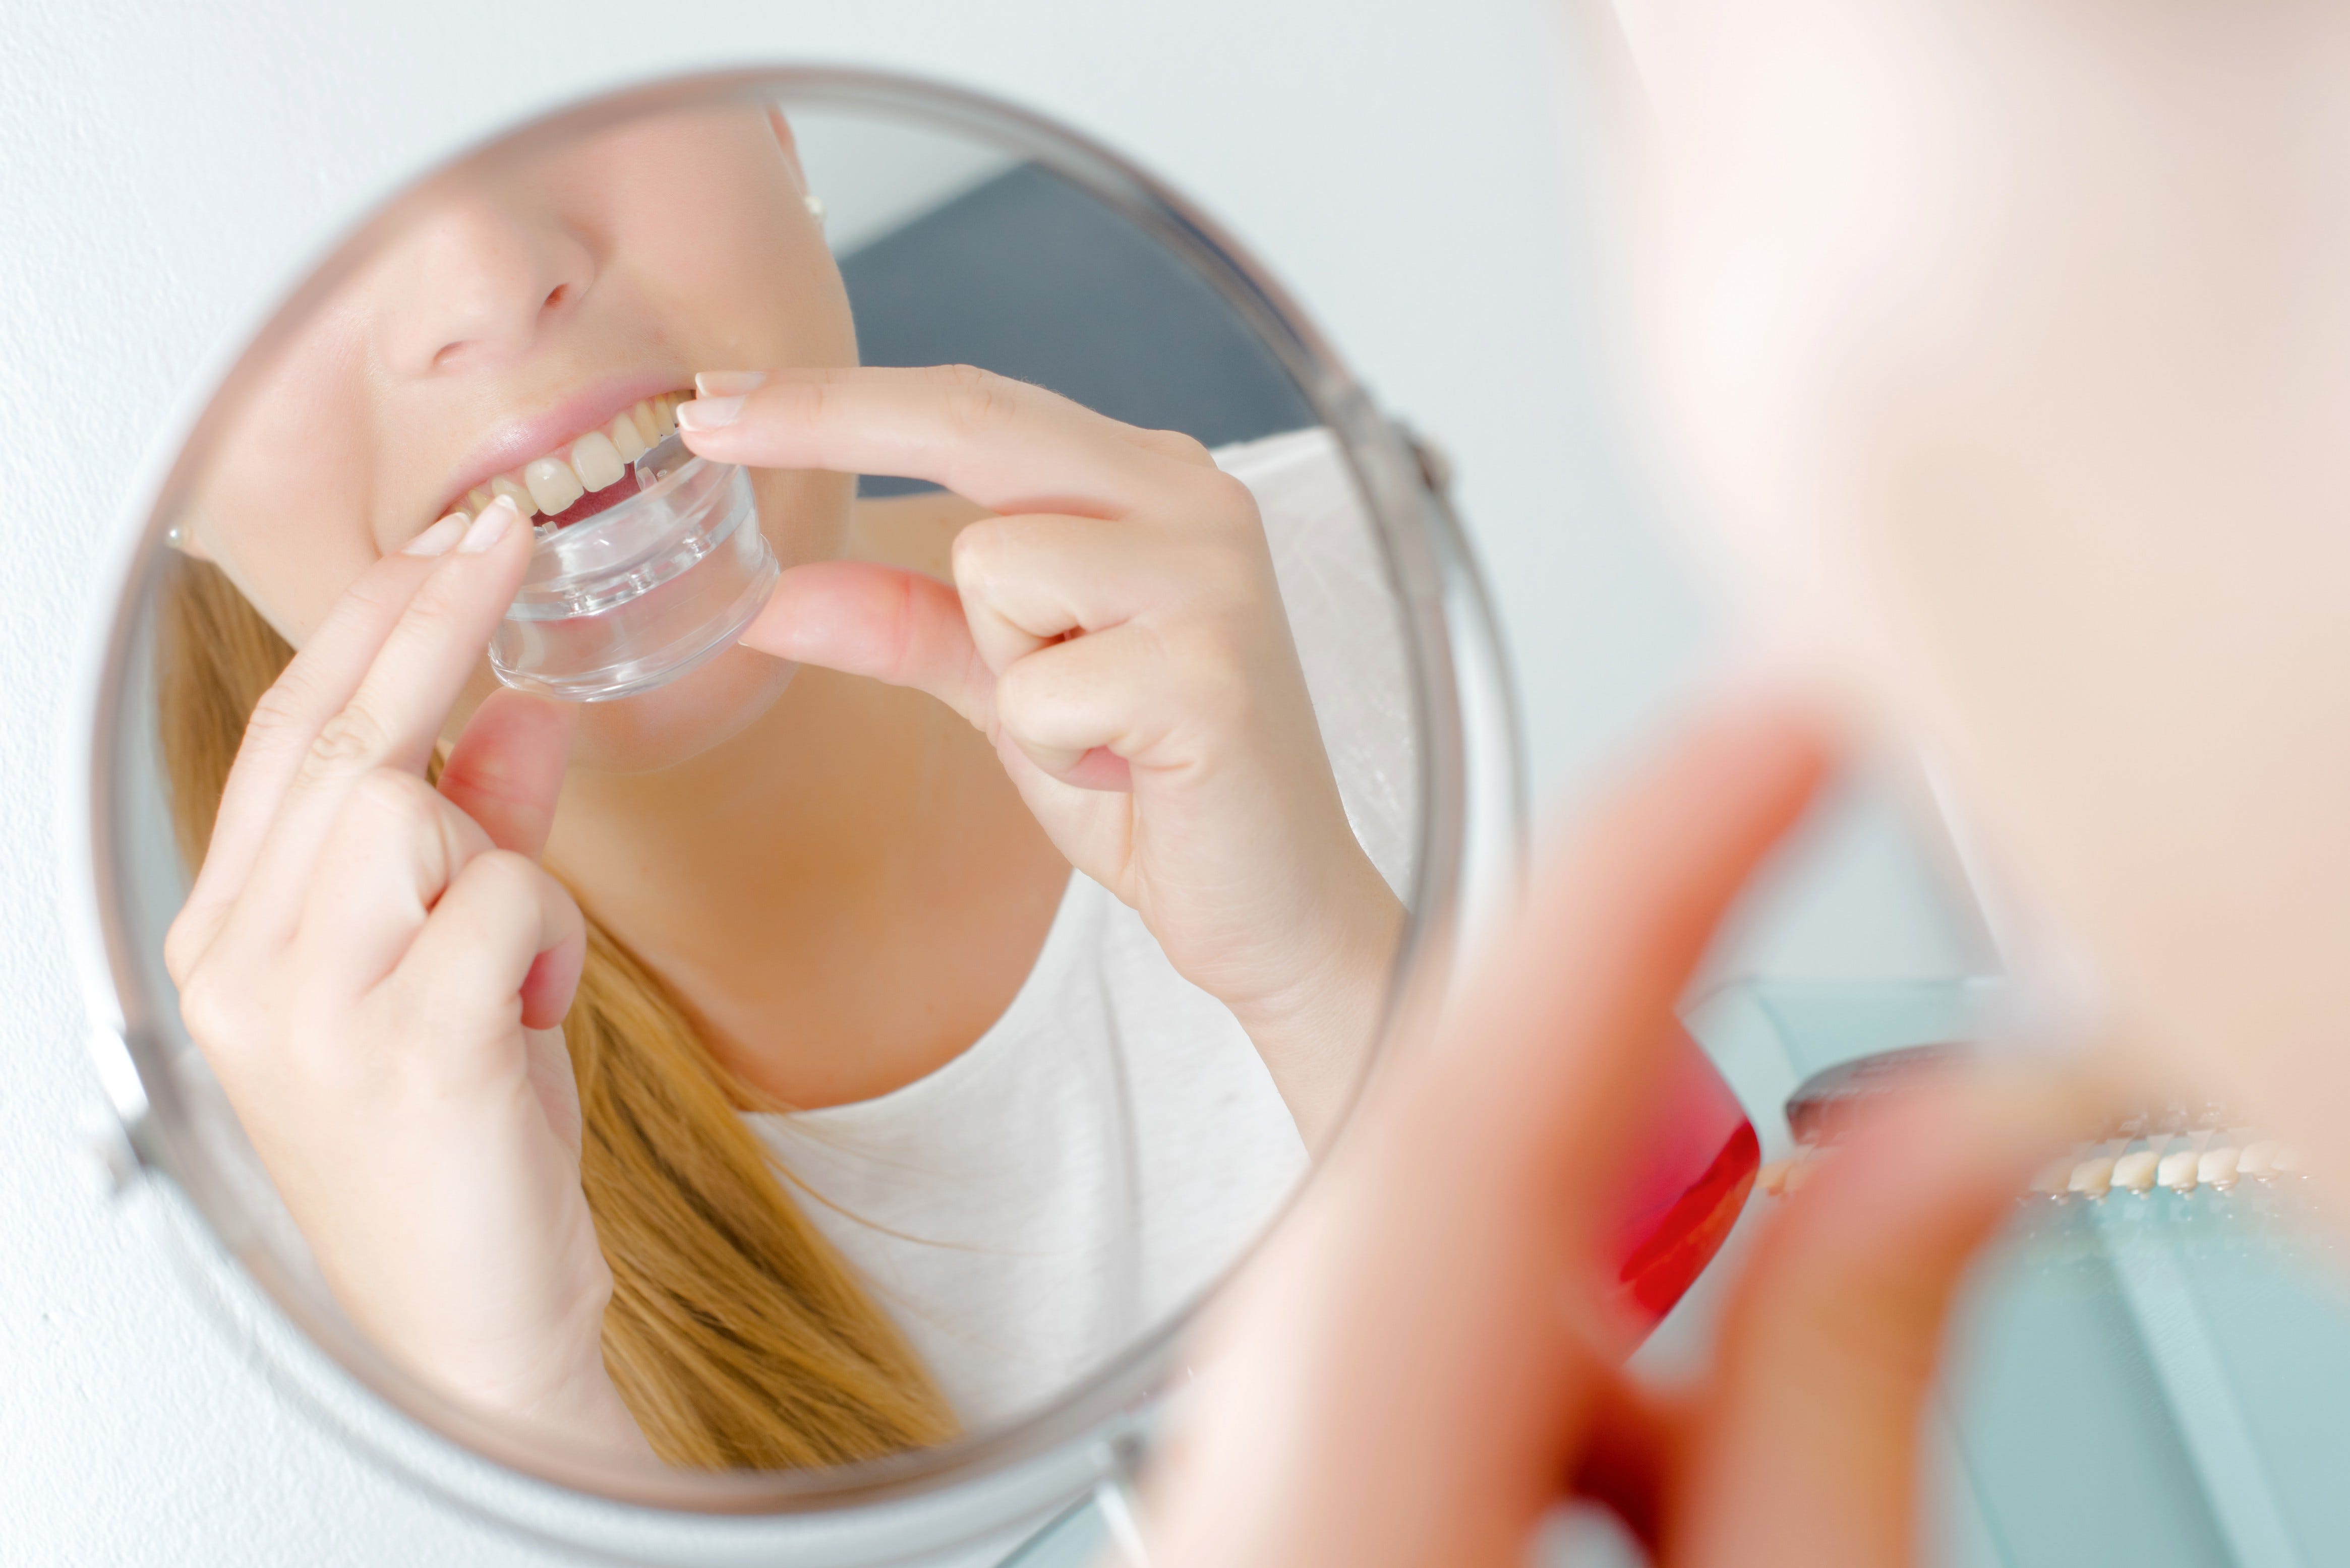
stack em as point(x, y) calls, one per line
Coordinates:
point(436, 539)
point(727, 383)
point(489, 527)
point(709, 413)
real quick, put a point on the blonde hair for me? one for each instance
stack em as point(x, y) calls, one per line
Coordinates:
point(736, 1335)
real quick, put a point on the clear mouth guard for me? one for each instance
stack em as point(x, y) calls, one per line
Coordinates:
point(643, 591)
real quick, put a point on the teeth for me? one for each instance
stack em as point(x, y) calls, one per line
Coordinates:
point(2135, 1170)
point(626, 439)
point(2092, 1177)
point(596, 461)
point(504, 485)
point(552, 483)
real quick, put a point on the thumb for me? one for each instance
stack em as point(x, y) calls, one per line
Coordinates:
point(1805, 1444)
point(507, 768)
point(893, 626)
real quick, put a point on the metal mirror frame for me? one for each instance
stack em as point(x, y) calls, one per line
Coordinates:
point(999, 1484)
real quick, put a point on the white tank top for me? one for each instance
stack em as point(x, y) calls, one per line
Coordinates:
point(1098, 1157)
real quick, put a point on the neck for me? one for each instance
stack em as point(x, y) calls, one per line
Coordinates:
point(844, 895)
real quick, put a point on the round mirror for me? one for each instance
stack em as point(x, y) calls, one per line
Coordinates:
point(755, 787)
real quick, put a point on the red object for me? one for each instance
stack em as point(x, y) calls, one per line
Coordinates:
point(1687, 1185)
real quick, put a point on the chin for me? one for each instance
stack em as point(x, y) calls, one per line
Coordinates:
point(678, 723)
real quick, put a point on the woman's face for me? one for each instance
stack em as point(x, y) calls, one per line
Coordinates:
point(528, 309)
point(2006, 346)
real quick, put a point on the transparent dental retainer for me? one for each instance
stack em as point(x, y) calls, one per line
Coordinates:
point(643, 591)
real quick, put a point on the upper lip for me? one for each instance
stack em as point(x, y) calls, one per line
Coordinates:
point(556, 427)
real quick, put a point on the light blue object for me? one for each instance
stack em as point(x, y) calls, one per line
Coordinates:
point(2157, 1380)
point(1078, 1539)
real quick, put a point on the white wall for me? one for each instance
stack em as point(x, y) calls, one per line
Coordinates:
point(165, 166)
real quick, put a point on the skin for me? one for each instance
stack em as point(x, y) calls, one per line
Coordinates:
point(2005, 349)
point(1421, 1363)
point(376, 980)
point(841, 842)
point(1114, 632)
point(2000, 346)
point(893, 911)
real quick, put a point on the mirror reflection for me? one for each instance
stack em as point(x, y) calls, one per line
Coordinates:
point(764, 897)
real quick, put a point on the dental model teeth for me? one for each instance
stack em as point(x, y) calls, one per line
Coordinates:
point(596, 461)
point(2134, 1171)
point(2091, 1178)
point(2167, 1156)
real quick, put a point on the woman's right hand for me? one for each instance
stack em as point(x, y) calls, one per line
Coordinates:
point(1426, 1356)
point(376, 970)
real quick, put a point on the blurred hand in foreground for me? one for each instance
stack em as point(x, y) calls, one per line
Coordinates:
point(1422, 1363)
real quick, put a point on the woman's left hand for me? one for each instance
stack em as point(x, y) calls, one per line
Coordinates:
point(1116, 632)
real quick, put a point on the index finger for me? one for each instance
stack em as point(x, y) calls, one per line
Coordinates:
point(394, 716)
point(312, 688)
point(1009, 446)
point(391, 719)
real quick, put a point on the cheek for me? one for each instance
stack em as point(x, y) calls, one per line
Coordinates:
point(282, 506)
point(292, 575)
point(1797, 227)
point(725, 251)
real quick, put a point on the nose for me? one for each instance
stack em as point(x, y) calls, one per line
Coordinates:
point(477, 284)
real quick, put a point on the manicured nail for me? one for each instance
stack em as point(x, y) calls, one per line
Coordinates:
point(709, 413)
point(489, 527)
point(437, 539)
point(728, 383)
